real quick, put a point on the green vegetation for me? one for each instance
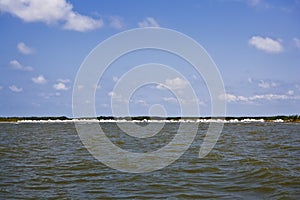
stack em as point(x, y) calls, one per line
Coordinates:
point(290, 118)
point(15, 119)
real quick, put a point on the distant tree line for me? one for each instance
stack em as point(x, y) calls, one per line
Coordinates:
point(15, 119)
point(290, 118)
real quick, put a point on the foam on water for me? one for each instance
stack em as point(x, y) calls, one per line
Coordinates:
point(248, 120)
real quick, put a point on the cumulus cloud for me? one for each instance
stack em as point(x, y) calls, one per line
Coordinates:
point(24, 49)
point(50, 12)
point(39, 79)
point(116, 22)
point(60, 86)
point(266, 85)
point(297, 42)
point(18, 66)
point(148, 22)
point(82, 23)
point(14, 88)
point(266, 44)
point(173, 84)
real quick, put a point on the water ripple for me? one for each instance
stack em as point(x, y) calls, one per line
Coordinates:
point(252, 161)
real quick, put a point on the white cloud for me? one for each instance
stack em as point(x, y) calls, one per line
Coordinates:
point(266, 44)
point(148, 22)
point(233, 98)
point(115, 79)
point(250, 80)
point(269, 97)
point(194, 77)
point(50, 12)
point(113, 95)
point(266, 85)
point(60, 86)
point(290, 92)
point(170, 99)
point(173, 84)
point(117, 97)
point(97, 87)
point(16, 65)
point(63, 80)
point(81, 23)
point(15, 88)
point(141, 102)
point(105, 105)
point(39, 79)
point(297, 42)
point(24, 49)
point(80, 87)
point(116, 22)
point(48, 95)
point(184, 101)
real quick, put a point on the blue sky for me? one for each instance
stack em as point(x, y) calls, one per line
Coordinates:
point(255, 45)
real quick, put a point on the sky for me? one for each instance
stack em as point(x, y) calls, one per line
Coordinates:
point(255, 45)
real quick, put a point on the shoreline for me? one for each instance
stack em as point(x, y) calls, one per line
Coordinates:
point(148, 119)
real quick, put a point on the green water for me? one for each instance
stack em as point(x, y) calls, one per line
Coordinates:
point(249, 161)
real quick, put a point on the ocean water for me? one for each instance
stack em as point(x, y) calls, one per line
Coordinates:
point(249, 161)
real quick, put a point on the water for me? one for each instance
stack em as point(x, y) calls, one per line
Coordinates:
point(250, 160)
